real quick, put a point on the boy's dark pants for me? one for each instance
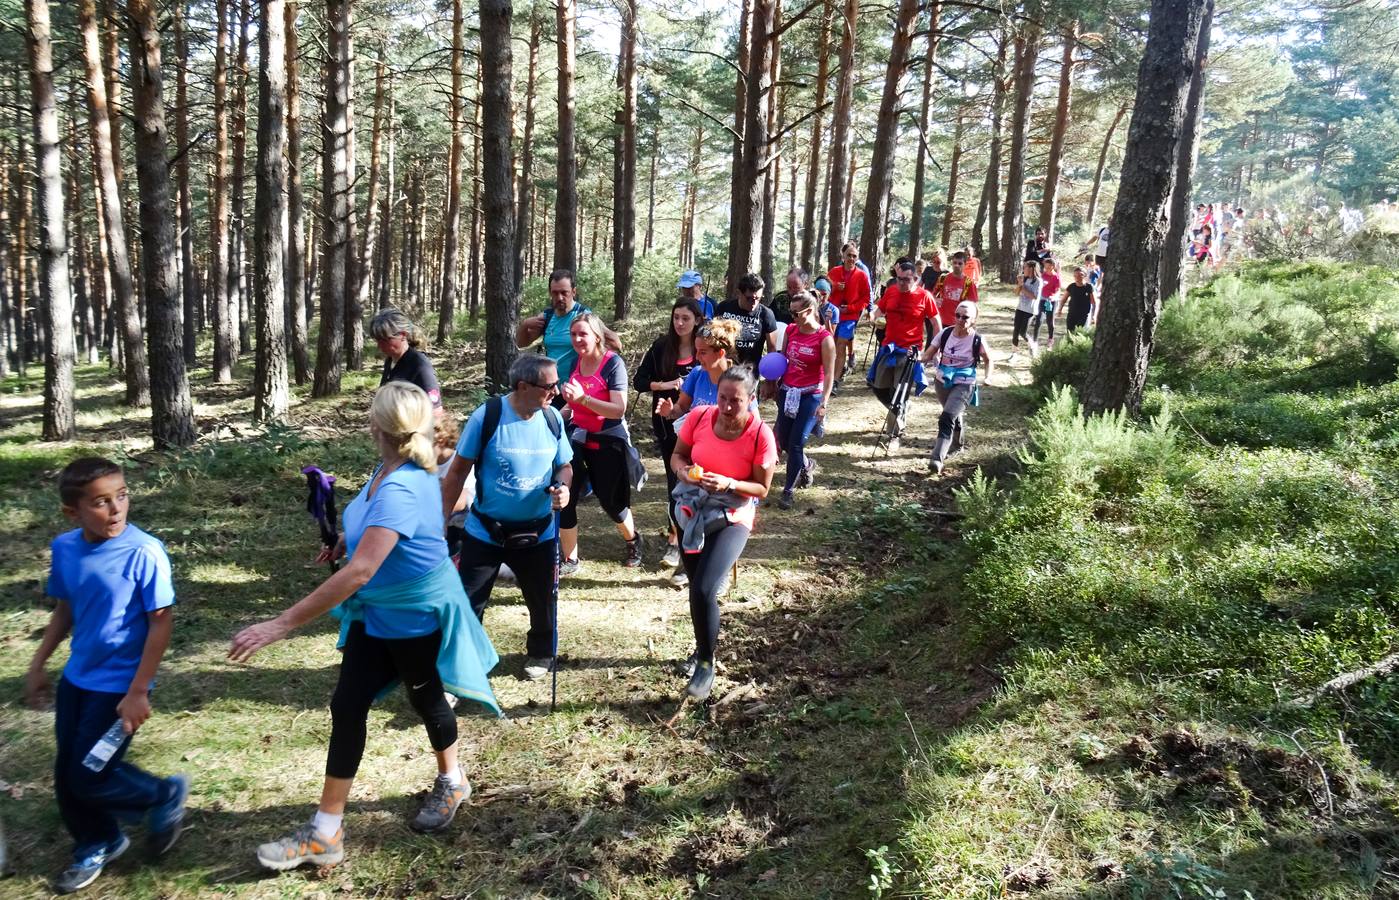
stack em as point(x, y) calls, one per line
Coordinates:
point(91, 802)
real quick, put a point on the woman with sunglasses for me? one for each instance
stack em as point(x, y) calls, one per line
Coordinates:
point(811, 361)
point(715, 345)
point(662, 372)
point(956, 351)
point(402, 344)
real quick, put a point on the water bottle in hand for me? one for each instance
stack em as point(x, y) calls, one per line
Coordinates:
point(105, 747)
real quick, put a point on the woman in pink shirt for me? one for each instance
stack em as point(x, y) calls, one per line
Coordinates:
point(801, 400)
point(722, 449)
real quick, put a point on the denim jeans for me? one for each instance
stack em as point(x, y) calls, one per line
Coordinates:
point(794, 431)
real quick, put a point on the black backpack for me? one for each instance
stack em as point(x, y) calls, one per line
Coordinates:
point(946, 336)
point(491, 420)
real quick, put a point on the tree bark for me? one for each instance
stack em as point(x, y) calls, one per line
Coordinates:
point(886, 135)
point(382, 270)
point(1102, 162)
point(1178, 214)
point(745, 228)
point(172, 415)
point(840, 131)
point(225, 324)
point(1126, 325)
point(451, 226)
point(138, 390)
point(501, 290)
point(736, 265)
point(368, 248)
point(189, 288)
point(354, 313)
point(335, 199)
point(1050, 198)
point(810, 246)
point(772, 174)
point(271, 394)
point(60, 354)
point(525, 204)
point(624, 188)
point(991, 188)
point(83, 299)
point(238, 299)
point(7, 296)
point(954, 173)
point(566, 204)
point(915, 223)
point(472, 262)
point(1026, 54)
point(651, 189)
point(295, 261)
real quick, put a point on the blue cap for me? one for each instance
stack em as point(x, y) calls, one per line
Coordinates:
point(689, 278)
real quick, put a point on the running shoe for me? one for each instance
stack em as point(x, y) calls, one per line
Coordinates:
point(570, 567)
point(680, 578)
point(686, 667)
point(536, 667)
point(672, 556)
point(935, 466)
point(785, 501)
point(168, 819)
point(808, 474)
point(702, 681)
point(633, 558)
point(83, 872)
point(440, 806)
point(304, 845)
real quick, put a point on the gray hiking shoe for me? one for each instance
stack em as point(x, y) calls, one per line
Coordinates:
point(569, 567)
point(440, 806)
point(672, 556)
point(304, 845)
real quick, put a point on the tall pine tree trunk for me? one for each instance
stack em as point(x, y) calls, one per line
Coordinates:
point(368, 248)
point(566, 204)
point(1050, 200)
point(354, 314)
point(737, 264)
point(295, 261)
point(385, 264)
point(172, 414)
point(915, 223)
point(501, 290)
point(991, 188)
point(624, 187)
point(954, 174)
point(1102, 162)
point(885, 138)
point(1179, 214)
point(138, 390)
point(811, 248)
point(238, 300)
point(271, 394)
point(655, 145)
point(57, 297)
point(335, 199)
point(525, 204)
point(447, 290)
point(189, 285)
point(777, 116)
point(744, 230)
point(225, 325)
point(1026, 54)
point(1126, 326)
point(840, 131)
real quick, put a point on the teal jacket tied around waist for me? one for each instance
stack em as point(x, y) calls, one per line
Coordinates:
point(467, 654)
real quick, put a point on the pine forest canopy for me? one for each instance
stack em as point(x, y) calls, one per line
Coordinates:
point(474, 147)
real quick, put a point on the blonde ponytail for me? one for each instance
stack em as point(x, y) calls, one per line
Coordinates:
point(403, 414)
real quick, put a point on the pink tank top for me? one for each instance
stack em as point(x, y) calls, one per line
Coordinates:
point(595, 386)
point(804, 357)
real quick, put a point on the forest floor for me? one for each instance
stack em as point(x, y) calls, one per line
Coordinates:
point(787, 784)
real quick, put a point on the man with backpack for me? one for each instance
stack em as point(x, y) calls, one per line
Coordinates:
point(956, 351)
point(554, 322)
point(522, 459)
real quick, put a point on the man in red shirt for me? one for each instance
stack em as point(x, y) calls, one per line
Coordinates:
point(850, 292)
point(905, 307)
point(955, 287)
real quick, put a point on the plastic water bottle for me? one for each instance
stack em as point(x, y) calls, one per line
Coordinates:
point(105, 747)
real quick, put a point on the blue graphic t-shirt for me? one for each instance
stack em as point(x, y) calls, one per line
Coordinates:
point(408, 501)
point(702, 391)
point(516, 469)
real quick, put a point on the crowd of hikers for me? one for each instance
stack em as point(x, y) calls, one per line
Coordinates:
point(451, 508)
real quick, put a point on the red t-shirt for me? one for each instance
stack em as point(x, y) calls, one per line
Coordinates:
point(951, 291)
point(904, 315)
point(972, 269)
point(734, 458)
point(849, 291)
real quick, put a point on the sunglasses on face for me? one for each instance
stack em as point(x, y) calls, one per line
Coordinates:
point(961, 316)
point(547, 387)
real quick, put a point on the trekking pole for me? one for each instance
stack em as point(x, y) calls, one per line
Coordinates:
point(554, 660)
point(868, 345)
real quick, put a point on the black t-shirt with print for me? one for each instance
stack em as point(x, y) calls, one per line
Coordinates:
point(754, 327)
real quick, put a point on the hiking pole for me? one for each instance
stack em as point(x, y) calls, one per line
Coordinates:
point(868, 345)
point(554, 599)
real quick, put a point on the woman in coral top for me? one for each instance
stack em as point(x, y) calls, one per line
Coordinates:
point(724, 459)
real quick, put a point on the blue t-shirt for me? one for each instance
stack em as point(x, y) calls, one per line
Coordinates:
point(706, 305)
point(513, 475)
point(110, 587)
point(558, 344)
point(409, 502)
point(702, 391)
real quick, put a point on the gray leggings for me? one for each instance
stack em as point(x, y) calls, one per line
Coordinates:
point(954, 405)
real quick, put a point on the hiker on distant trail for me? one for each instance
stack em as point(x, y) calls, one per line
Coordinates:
point(1080, 300)
point(956, 351)
point(662, 373)
point(596, 394)
point(691, 287)
point(972, 266)
point(934, 270)
point(851, 292)
point(517, 449)
point(905, 307)
point(1027, 301)
point(553, 325)
point(830, 313)
point(402, 344)
point(954, 287)
point(724, 460)
point(757, 324)
point(1038, 248)
point(403, 617)
point(804, 389)
point(1049, 298)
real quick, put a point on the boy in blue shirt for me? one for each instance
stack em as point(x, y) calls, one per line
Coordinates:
point(112, 585)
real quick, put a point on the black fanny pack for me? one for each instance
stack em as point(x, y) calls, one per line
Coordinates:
point(514, 535)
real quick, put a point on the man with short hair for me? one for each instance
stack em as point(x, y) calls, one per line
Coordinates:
point(954, 287)
point(798, 281)
point(522, 457)
point(691, 287)
point(553, 323)
point(757, 324)
point(905, 307)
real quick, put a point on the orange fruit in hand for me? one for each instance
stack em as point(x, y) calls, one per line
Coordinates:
point(695, 473)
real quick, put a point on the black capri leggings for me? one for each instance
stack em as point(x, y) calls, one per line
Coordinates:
point(604, 466)
point(371, 664)
point(709, 574)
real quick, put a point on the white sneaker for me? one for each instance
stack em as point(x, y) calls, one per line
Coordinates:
point(672, 556)
point(536, 669)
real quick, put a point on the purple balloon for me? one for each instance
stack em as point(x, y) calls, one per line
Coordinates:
point(773, 366)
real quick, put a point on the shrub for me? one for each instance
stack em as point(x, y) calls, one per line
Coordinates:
point(1063, 365)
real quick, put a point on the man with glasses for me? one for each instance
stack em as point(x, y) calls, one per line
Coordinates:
point(905, 306)
point(757, 323)
point(522, 458)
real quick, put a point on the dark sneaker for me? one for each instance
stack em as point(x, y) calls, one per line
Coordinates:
point(808, 474)
point(440, 807)
point(702, 681)
point(633, 558)
point(167, 821)
point(83, 872)
point(537, 667)
point(672, 556)
point(686, 667)
point(304, 845)
point(785, 501)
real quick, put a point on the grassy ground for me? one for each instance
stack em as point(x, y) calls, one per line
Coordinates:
point(840, 669)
